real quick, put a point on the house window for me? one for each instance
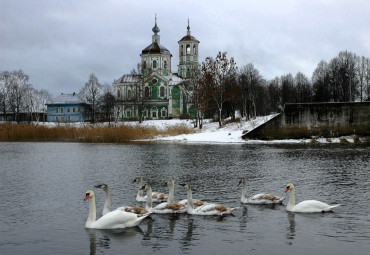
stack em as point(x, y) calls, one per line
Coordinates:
point(61, 110)
point(165, 64)
point(79, 109)
point(154, 64)
point(62, 118)
point(56, 110)
point(129, 94)
point(79, 117)
point(161, 91)
point(182, 50)
point(194, 50)
point(69, 118)
point(144, 64)
point(154, 114)
point(56, 118)
point(74, 109)
point(119, 94)
point(68, 109)
point(188, 49)
point(128, 114)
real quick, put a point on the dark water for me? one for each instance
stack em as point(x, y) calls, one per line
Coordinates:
point(42, 186)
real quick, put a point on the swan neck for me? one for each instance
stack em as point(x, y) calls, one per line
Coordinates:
point(244, 190)
point(190, 199)
point(92, 210)
point(149, 201)
point(291, 202)
point(140, 192)
point(107, 202)
point(171, 194)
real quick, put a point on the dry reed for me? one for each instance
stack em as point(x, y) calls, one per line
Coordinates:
point(90, 134)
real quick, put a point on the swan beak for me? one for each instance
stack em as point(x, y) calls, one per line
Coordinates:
point(239, 183)
point(87, 196)
point(165, 184)
point(98, 186)
point(142, 188)
point(287, 189)
point(183, 184)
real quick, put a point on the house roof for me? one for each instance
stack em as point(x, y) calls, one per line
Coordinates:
point(68, 99)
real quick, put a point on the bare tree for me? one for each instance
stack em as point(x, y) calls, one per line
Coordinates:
point(92, 92)
point(217, 74)
point(17, 89)
point(303, 87)
point(108, 103)
point(5, 79)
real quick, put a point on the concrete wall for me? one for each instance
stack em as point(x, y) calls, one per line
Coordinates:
point(316, 119)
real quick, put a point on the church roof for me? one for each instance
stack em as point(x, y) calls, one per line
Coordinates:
point(68, 99)
point(129, 78)
point(155, 48)
point(174, 79)
point(189, 38)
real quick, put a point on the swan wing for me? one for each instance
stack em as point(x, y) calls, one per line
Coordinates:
point(264, 198)
point(114, 219)
point(312, 206)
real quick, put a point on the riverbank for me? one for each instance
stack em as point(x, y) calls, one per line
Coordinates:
point(172, 131)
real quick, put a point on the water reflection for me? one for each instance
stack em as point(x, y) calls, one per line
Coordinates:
point(186, 241)
point(101, 238)
point(291, 228)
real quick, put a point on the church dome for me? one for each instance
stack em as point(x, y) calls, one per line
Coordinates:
point(155, 48)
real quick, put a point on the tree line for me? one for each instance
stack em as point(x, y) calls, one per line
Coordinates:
point(19, 101)
point(216, 91)
point(221, 88)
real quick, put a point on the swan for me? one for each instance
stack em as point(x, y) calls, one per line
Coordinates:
point(156, 196)
point(261, 198)
point(207, 209)
point(166, 207)
point(112, 220)
point(129, 208)
point(307, 206)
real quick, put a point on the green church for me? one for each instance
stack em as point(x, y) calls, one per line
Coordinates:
point(157, 93)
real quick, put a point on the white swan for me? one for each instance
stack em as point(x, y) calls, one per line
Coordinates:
point(128, 208)
point(112, 220)
point(261, 198)
point(166, 207)
point(307, 206)
point(156, 196)
point(207, 209)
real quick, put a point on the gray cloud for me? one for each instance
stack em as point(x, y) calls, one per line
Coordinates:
point(59, 43)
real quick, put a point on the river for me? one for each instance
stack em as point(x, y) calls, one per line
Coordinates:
point(43, 185)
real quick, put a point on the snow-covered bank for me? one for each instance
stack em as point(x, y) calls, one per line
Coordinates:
point(228, 134)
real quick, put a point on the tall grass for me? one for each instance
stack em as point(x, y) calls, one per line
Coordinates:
point(89, 134)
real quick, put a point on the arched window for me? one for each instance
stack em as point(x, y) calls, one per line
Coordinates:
point(146, 92)
point(129, 94)
point(165, 64)
point(194, 50)
point(188, 49)
point(182, 50)
point(154, 113)
point(154, 63)
point(163, 113)
point(144, 64)
point(161, 91)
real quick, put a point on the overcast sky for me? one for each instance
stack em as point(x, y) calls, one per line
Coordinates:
point(60, 43)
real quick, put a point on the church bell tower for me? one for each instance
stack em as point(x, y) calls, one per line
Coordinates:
point(188, 55)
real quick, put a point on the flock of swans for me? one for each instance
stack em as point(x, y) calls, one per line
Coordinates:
point(132, 215)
